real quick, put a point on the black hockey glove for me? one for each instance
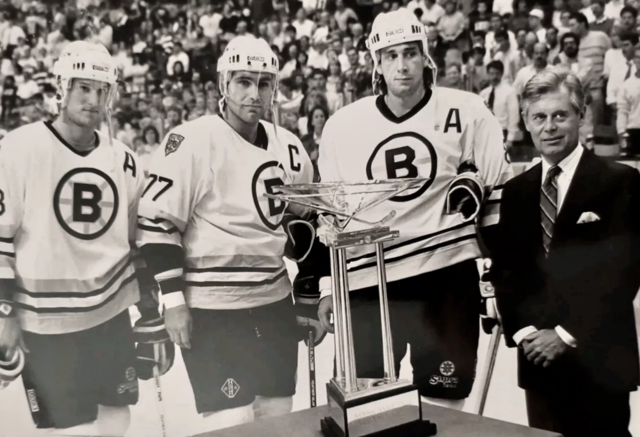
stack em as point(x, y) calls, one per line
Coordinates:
point(301, 235)
point(489, 315)
point(154, 348)
point(10, 367)
point(306, 295)
point(466, 192)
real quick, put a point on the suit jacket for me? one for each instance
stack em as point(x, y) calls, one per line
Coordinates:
point(587, 282)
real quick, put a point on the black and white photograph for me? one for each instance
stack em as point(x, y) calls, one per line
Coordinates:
point(319, 218)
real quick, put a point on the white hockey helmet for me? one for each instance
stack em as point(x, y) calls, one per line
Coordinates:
point(393, 28)
point(85, 60)
point(247, 53)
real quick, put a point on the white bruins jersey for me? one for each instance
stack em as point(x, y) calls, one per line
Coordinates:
point(67, 222)
point(206, 194)
point(365, 141)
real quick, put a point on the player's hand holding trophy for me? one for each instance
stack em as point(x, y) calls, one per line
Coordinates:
point(359, 407)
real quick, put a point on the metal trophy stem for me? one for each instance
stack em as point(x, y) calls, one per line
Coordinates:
point(360, 407)
point(387, 339)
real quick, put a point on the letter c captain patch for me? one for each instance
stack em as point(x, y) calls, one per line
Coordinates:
point(173, 142)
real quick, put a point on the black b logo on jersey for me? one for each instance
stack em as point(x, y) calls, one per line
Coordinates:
point(404, 155)
point(85, 203)
point(267, 176)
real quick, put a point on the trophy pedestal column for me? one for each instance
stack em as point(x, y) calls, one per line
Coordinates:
point(378, 408)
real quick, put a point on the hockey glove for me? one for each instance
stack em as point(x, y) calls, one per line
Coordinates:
point(10, 367)
point(301, 235)
point(154, 347)
point(489, 315)
point(306, 294)
point(466, 193)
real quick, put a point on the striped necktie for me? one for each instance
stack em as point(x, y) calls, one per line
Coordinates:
point(549, 205)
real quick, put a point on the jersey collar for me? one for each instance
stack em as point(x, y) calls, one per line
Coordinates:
point(262, 139)
point(386, 112)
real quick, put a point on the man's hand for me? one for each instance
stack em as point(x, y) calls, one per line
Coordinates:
point(308, 325)
point(543, 347)
point(10, 336)
point(325, 311)
point(178, 323)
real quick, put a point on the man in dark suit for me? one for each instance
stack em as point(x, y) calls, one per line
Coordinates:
point(567, 270)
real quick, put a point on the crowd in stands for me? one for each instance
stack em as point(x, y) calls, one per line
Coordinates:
point(167, 51)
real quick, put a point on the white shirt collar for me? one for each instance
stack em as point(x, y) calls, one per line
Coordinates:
point(568, 165)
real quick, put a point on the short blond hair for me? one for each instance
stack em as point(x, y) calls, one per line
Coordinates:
point(552, 79)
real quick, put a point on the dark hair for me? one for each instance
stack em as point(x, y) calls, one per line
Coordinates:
point(502, 33)
point(427, 76)
point(569, 35)
point(629, 9)
point(496, 65)
point(632, 37)
point(580, 18)
point(150, 129)
point(324, 110)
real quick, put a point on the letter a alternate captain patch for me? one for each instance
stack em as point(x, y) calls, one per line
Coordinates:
point(173, 142)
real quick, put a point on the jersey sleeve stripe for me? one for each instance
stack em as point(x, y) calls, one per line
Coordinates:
point(393, 247)
point(6, 240)
point(158, 229)
point(7, 254)
point(193, 281)
point(155, 216)
point(228, 269)
point(75, 288)
point(77, 304)
point(491, 214)
point(235, 261)
point(435, 247)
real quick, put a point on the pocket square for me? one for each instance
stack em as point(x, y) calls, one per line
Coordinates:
point(588, 217)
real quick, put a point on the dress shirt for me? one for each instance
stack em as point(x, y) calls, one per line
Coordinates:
point(613, 60)
point(568, 166)
point(505, 108)
point(616, 80)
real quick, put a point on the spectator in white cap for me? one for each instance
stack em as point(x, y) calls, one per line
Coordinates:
point(535, 24)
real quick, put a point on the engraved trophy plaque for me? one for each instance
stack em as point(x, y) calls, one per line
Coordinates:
point(360, 407)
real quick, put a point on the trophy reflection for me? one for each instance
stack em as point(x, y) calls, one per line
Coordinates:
point(360, 407)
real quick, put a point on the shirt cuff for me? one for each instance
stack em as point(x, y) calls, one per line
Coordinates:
point(325, 286)
point(566, 337)
point(172, 300)
point(521, 334)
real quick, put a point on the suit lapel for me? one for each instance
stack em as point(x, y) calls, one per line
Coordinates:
point(529, 204)
point(580, 189)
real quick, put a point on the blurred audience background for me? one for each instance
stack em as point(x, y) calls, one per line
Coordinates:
point(167, 52)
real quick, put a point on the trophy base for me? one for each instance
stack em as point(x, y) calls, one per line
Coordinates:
point(376, 409)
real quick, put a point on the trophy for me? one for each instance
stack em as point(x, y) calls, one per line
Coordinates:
point(360, 407)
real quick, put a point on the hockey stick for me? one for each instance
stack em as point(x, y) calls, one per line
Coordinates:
point(487, 372)
point(159, 400)
point(312, 368)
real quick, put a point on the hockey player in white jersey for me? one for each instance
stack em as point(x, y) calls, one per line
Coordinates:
point(216, 243)
point(68, 207)
point(412, 128)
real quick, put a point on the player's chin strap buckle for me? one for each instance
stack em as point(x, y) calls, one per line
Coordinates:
point(10, 369)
